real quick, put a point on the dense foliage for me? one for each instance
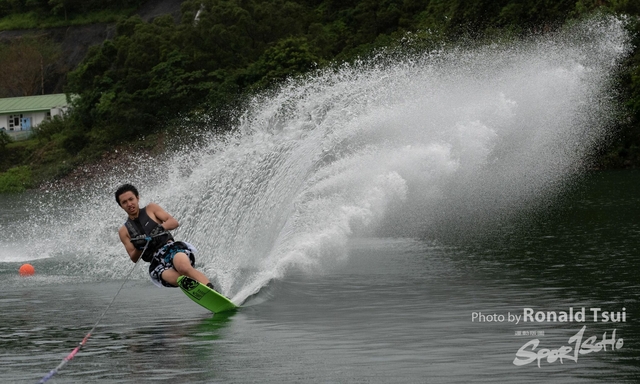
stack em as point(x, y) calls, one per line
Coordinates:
point(152, 72)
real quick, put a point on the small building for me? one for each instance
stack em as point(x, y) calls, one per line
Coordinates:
point(19, 115)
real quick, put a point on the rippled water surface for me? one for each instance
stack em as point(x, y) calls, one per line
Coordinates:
point(395, 310)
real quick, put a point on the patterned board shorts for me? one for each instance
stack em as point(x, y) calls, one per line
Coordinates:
point(163, 260)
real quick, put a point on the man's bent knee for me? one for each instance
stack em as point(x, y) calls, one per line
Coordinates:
point(170, 276)
point(182, 263)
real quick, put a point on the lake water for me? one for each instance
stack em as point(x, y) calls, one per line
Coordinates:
point(396, 310)
point(390, 221)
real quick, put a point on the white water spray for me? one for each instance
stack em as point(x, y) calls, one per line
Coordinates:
point(397, 146)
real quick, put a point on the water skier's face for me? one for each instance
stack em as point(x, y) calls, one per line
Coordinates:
point(129, 202)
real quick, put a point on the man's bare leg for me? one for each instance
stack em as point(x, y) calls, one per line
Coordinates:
point(182, 266)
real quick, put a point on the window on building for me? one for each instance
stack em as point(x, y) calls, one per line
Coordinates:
point(14, 121)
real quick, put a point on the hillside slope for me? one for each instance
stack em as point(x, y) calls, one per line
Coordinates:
point(76, 40)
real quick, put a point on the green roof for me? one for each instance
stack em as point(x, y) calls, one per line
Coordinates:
point(32, 103)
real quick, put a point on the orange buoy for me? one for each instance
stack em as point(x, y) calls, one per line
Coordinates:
point(26, 270)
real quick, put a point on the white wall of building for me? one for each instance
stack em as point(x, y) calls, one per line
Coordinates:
point(34, 119)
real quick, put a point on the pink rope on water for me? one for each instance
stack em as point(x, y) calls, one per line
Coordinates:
point(84, 341)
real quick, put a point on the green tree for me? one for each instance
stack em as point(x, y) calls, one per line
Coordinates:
point(287, 57)
point(131, 84)
point(4, 139)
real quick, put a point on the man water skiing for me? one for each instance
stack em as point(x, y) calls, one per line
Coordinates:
point(146, 234)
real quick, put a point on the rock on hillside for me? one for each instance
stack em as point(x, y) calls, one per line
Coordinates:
point(154, 8)
point(76, 40)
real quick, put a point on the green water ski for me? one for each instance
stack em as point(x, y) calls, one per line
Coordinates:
point(205, 296)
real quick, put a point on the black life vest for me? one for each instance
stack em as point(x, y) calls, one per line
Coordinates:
point(143, 228)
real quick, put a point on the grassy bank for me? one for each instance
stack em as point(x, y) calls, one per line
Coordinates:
point(16, 179)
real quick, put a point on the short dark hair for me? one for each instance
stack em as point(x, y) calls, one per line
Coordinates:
point(125, 188)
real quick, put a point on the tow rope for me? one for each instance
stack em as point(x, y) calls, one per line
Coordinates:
point(71, 355)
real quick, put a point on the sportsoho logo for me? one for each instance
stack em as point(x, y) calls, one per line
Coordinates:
point(578, 344)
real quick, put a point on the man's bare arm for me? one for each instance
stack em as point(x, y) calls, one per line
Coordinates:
point(134, 253)
point(167, 221)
